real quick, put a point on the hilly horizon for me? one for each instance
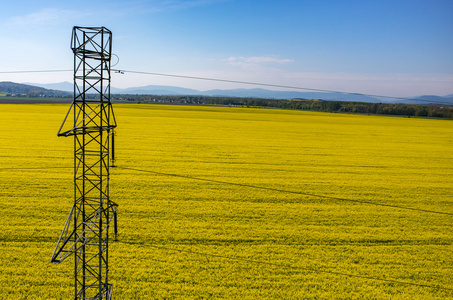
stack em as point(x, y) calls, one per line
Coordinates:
point(8, 87)
point(163, 90)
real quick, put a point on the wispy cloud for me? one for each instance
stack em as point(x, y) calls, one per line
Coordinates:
point(257, 61)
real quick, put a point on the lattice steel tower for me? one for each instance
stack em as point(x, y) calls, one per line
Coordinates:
point(86, 232)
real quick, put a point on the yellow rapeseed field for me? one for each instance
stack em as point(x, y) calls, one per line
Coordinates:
point(238, 203)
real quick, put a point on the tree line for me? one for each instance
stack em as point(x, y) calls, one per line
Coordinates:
point(409, 110)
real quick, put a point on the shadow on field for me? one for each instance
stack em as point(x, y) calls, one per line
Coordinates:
point(287, 191)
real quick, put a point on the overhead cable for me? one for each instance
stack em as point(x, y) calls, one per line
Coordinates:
point(276, 85)
point(34, 71)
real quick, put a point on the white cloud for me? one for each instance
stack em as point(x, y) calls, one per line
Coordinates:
point(257, 62)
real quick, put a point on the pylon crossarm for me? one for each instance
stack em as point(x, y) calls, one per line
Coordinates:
point(80, 129)
point(83, 239)
point(64, 239)
point(77, 125)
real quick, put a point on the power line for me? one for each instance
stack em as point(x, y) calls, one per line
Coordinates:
point(35, 71)
point(289, 266)
point(276, 85)
point(290, 192)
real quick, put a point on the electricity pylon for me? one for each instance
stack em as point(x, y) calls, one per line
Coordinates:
point(86, 231)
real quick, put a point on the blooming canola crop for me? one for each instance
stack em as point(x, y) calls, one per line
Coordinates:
point(229, 202)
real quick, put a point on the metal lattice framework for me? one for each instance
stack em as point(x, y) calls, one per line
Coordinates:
point(86, 232)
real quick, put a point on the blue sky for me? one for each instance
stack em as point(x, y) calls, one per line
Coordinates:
point(387, 47)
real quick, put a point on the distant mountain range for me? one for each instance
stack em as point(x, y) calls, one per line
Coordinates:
point(67, 87)
point(12, 88)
